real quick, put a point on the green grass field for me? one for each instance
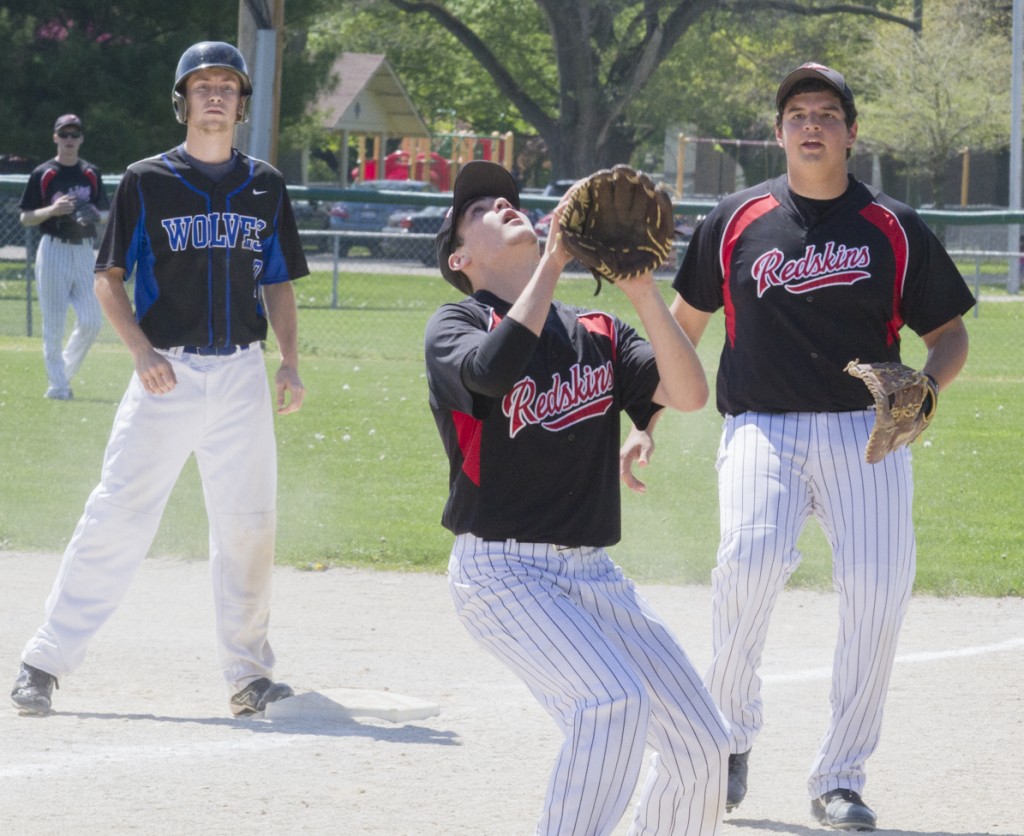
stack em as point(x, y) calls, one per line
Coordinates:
point(363, 475)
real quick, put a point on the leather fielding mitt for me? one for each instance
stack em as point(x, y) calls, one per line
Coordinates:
point(618, 224)
point(85, 214)
point(905, 403)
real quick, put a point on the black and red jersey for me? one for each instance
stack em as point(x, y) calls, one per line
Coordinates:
point(806, 289)
point(539, 462)
point(50, 181)
point(200, 250)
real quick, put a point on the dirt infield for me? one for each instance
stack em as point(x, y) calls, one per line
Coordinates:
point(142, 742)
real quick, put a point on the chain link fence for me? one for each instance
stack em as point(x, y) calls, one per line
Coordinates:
point(395, 268)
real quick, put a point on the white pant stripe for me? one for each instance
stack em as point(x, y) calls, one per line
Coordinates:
point(612, 676)
point(776, 471)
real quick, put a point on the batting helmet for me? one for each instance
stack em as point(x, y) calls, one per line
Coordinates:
point(210, 54)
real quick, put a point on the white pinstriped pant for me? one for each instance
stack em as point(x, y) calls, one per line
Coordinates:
point(64, 276)
point(612, 676)
point(775, 471)
point(221, 411)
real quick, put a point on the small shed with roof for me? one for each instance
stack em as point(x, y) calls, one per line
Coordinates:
point(368, 104)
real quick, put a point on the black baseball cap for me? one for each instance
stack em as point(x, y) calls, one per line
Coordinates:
point(833, 78)
point(476, 179)
point(66, 121)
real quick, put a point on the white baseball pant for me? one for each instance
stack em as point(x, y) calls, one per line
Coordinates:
point(775, 471)
point(221, 411)
point(64, 276)
point(612, 676)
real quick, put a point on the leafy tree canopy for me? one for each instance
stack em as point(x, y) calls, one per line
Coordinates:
point(112, 62)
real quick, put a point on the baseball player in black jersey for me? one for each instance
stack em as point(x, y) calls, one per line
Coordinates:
point(526, 393)
point(66, 197)
point(813, 269)
point(210, 237)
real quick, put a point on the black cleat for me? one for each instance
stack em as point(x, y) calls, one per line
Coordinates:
point(254, 697)
point(737, 781)
point(33, 690)
point(843, 809)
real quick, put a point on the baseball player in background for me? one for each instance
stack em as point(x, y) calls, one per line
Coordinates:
point(526, 393)
point(211, 238)
point(813, 269)
point(66, 197)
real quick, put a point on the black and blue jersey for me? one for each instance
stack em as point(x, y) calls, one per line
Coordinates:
point(200, 250)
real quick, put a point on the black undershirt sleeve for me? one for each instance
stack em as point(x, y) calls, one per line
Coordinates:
point(499, 361)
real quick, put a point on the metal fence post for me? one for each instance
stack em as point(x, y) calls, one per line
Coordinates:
point(29, 276)
point(335, 244)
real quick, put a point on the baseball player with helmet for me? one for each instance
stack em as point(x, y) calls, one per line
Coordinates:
point(526, 393)
point(211, 239)
point(815, 271)
point(66, 197)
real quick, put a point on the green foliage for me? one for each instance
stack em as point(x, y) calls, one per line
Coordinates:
point(363, 477)
point(442, 77)
point(723, 75)
point(928, 96)
point(113, 65)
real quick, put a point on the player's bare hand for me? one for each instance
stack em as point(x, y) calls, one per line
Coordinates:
point(63, 205)
point(290, 391)
point(155, 372)
point(638, 447)
point(638, 286)
point(554, 246)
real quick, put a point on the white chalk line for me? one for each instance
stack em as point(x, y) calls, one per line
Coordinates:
point(909, 658)
point(64, 760)
point(75, 757)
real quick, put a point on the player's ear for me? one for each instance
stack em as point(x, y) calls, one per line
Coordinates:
point(458, 260)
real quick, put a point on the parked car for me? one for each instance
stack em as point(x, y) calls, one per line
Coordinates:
point(372, 216)
point(402, 225)
point(310, 214)
point(556, 188)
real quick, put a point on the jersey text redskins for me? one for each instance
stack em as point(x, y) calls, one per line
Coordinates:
point(837, 264)
point(587, 393)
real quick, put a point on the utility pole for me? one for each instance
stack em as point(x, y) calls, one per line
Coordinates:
point(1013, 242)
point(261, 42)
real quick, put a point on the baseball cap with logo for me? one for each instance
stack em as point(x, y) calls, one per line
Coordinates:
point(833, 78)
point(66, 121)
point(476, 179)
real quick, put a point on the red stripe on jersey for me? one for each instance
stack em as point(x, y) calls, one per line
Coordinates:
point(600, 323)
point(467, 430)
point(45, 180)
point(890, 226)
point(588, 410)
point(90, 175)
point(743, 217)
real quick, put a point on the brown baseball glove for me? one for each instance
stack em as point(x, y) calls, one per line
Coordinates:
point(618, 224)
point(85, 214)
point(905, 403)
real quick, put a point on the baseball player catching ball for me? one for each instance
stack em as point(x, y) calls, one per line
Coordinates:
point(526, 393)
point(813, 269)
point(210, 236)
point(66, 197)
